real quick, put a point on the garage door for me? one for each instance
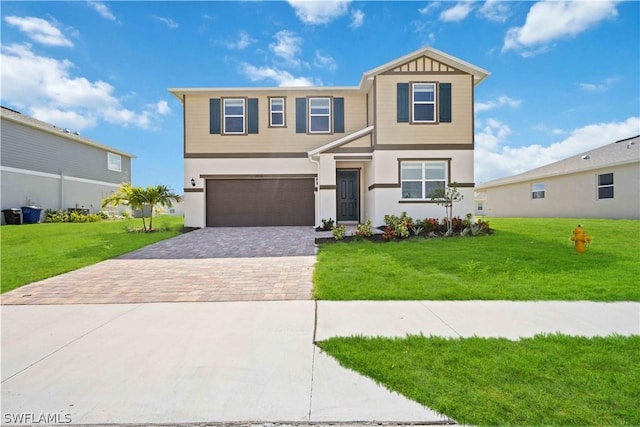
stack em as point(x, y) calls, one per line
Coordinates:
point(260, 202)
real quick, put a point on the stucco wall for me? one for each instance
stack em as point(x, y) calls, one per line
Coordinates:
point(573, 195)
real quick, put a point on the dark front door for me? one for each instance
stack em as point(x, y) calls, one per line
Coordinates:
point(347, 194)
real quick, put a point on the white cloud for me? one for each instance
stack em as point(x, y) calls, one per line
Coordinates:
point(552, 20)
point(495, 159)
point(319, 12)
point(280, 77)
point(494, 10)
point(429, 7)
point(599, 87)
point(161, 107)
point(39, 30)
point(499, 102)
point(45, 87)
point(324, 61)
point(287, 46)
point(357, 19)
point(244, 41)
point(167, 21)
point(456, 13)
point(102, 9)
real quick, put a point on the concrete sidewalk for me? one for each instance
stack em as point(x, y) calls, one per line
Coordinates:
point(244, 361)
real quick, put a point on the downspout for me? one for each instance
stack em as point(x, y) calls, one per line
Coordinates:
point(317, 163)
point(61, 189)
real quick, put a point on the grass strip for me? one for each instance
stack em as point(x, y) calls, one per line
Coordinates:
point(545, 380)
point(33, 252)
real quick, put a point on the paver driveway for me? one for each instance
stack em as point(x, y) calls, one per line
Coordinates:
point(210, 264)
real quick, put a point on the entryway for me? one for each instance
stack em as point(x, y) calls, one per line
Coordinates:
point(348, 191)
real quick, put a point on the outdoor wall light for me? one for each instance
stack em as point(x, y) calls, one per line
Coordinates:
point(193, 182)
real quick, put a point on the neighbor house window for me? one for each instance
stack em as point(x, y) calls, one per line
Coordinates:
point(423, 102)
point(276, 112)
point(537, 190)
point(319, 115)
point(420, 180)
point(114, 162)
point(605, 186)
point(234, 111)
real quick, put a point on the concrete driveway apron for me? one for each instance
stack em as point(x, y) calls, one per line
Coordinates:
point(210, 264)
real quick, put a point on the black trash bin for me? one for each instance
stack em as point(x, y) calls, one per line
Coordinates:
point(12, 216)
point(31, 214)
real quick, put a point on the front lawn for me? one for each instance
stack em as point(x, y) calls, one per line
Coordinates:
point(526, 259)
point(545, 380)
point(32, 252)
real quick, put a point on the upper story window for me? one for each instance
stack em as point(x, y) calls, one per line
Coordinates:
point(114, 162)
point(276, 112)
point(234, 114)
point(537, 190)
point(423, 102)
point(605, 186)
point(319, 115)
point(420, 180)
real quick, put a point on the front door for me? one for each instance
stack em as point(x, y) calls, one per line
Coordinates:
point(347, 193)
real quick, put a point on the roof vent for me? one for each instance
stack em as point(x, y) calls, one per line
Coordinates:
point(66, 130)
point(586, 157)
point(76, 133)
point(630, 144)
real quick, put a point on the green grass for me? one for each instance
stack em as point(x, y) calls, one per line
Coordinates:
point(545, 380)
point(526, 259)
point(32, 252)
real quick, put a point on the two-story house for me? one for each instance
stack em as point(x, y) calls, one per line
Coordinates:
point(56, 168)
point(294, 156)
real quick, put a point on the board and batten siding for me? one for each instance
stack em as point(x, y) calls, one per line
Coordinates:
point(458, 131)
point(27, 148)
point(199, 140)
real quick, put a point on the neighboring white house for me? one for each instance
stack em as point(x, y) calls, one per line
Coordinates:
point(55, 168)
point(294, 156)
point(600, 183)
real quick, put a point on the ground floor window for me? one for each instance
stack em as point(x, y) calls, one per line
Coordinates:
point(537, 190)
point(605, 186)
point(420, 180)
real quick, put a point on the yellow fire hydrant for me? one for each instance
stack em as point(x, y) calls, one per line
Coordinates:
point(581, 239)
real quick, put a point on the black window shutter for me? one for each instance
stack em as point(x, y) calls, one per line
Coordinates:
point(252, 110)
point(214, 115)
point(445, 102)
point(403, 102)
point(338, 115)
point(301, 115)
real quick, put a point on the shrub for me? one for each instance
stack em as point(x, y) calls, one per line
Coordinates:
point(339, 232)
point(399, 224)
point(364, 230)
point(51, 215)
point(389, 233)
point(327, 224)
point(429, 224)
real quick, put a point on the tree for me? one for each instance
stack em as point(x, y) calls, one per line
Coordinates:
point(159, 195)
point(138, 198)
point(447, 197)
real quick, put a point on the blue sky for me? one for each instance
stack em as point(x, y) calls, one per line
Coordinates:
point(564, 75)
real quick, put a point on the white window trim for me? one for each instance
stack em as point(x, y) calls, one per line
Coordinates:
point(225, 115)
point(598, 186)
point(414, 102)
point(537, 191)
point(283, 112)
point(114, 162)
point(320, 115)
point(423, 178)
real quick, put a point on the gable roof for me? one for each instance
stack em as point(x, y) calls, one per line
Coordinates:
point(342, 141)
point(478, 73)
point(17, 117)
point(366, 81)
point(616, 153)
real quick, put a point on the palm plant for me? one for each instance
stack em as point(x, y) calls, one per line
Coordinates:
point(138, 198)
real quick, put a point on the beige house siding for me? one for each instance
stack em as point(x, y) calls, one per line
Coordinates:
point(268, 139)
point(459, 131)
point(571, 196)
